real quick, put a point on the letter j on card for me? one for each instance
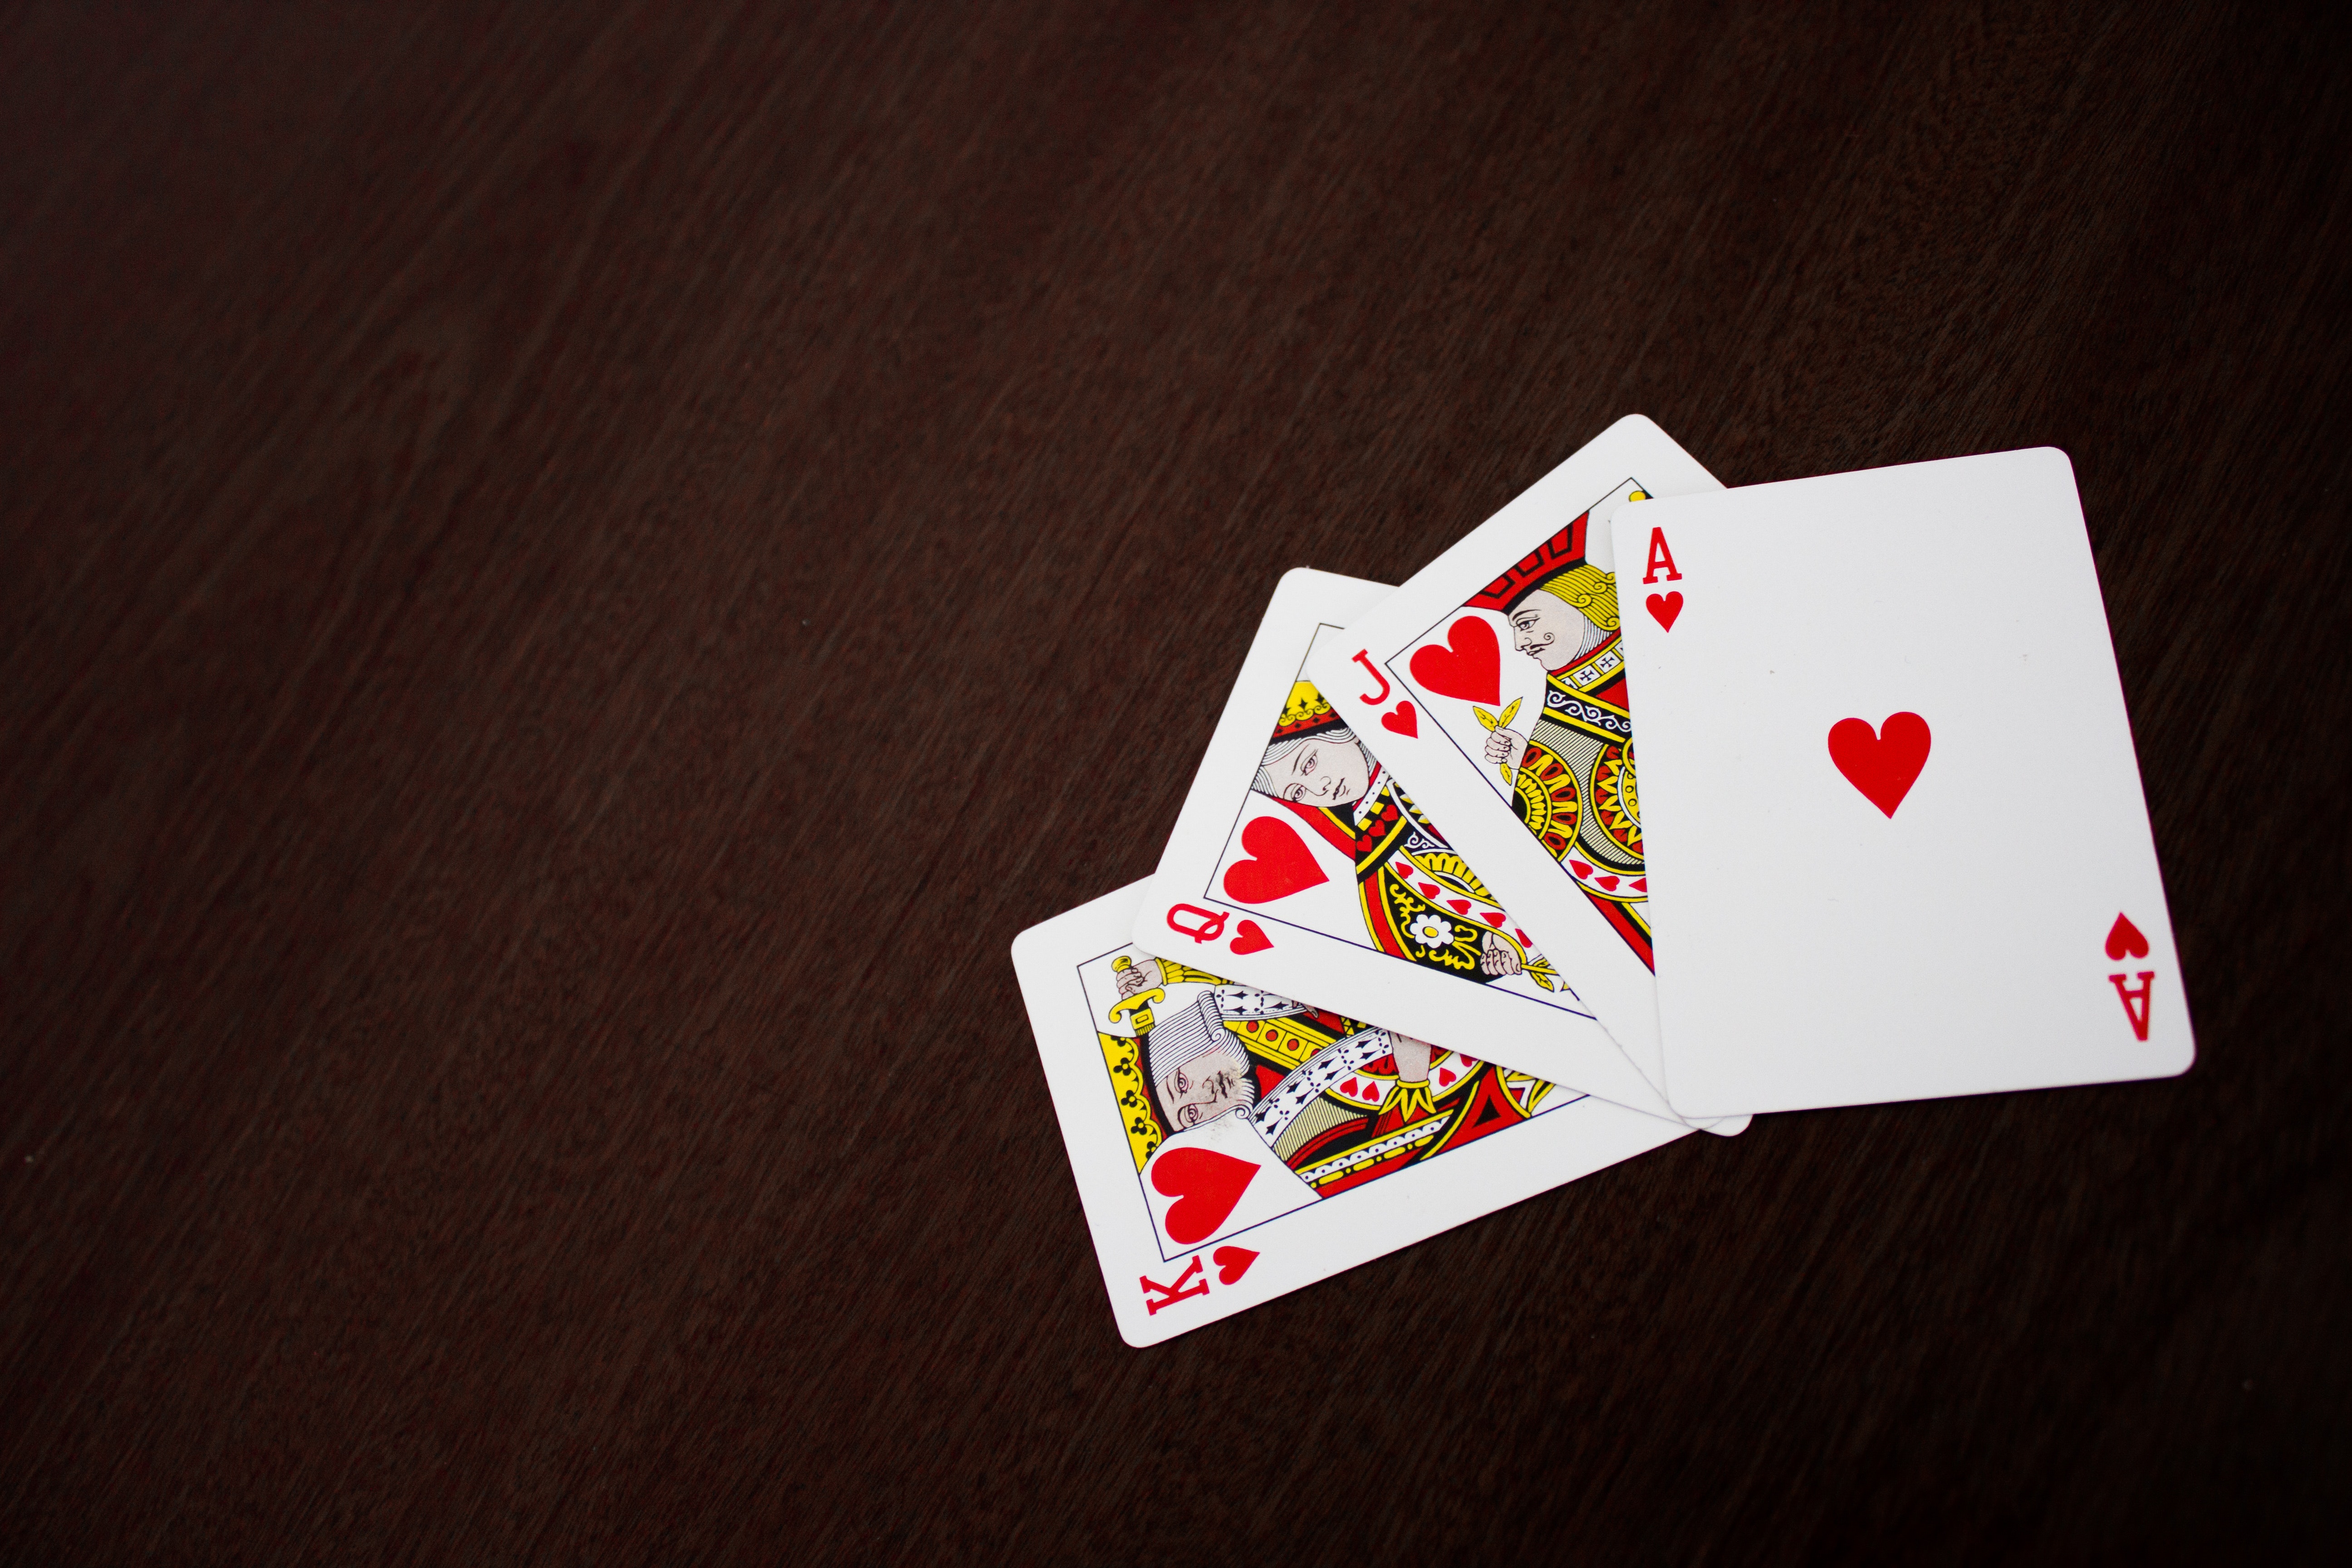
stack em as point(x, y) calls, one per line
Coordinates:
point(1897, 843)
point(1301, 864)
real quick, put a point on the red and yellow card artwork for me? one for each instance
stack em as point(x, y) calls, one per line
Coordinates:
point(1340, 1103)
point(1569, 769)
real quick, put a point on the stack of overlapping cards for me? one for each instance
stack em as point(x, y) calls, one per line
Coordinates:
point(1423, 944)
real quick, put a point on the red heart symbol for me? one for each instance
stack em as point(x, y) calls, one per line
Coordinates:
point(1282, 865)
point(1444, 1077)
point(1607, 884)
point(1249, 939)
point(1205, 1184)
point(1349, 1089)
point(1493, 918)
point(1882, 764)
point(2124, 939)
point(1643, 886)
point(1459, 906)
point(1428, 889)
point(1664, 608)
point(1470, 664)
point(1579, 868)
point(1232, 1262)
point(1405, 722)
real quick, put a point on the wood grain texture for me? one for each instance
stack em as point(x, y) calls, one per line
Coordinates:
point(570, 575)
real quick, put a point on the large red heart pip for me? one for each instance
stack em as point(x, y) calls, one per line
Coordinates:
point(1403, 721)
point(1232, 1262)
point(1281, 867)
point(1205, 1184)
point(1470, 664)
point(1881, 763)
point(1664, 608)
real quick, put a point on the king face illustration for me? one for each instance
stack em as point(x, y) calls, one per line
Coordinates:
point(1338, 1101)
point(1421, 901)
point(1571, 769)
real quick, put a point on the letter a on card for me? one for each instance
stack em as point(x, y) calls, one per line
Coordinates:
point(1890, 799)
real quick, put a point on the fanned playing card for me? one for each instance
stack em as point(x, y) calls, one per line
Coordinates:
point(1300, 864)
point(1232, 1145)
point(1499, 670)
point(1897, 845)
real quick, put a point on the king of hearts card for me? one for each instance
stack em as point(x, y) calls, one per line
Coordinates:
point(1231, 1145)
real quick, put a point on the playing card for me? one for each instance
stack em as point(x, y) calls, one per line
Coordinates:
point(1499, 669)
point(1299, 864)
point(1897, 844)
point(1232, 1145)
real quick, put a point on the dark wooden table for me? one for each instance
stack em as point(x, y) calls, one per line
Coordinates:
point(570, 575)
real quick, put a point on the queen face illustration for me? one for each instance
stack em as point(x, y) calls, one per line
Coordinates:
point(1326, 769)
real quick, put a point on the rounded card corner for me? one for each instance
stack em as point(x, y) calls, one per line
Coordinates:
point(2063, 459)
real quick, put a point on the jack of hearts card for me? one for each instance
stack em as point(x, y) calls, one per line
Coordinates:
point(1504, 659)
point(1232, 1145)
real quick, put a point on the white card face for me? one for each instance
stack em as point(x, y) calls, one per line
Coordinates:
point(1502, 667)
point(1231, 1145)
point(1898, 840)
point(1300, 864)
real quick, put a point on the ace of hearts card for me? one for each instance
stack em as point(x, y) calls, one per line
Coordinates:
point(1898, 847)
point(1499, 668)
point(1232, 1145)
point(1300, 865)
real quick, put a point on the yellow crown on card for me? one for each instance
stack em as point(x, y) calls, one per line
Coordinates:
point(1307, 712)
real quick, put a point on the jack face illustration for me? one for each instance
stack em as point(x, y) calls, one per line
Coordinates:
point(1420, 901)
point(1571, 769)
point(1563, 618)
